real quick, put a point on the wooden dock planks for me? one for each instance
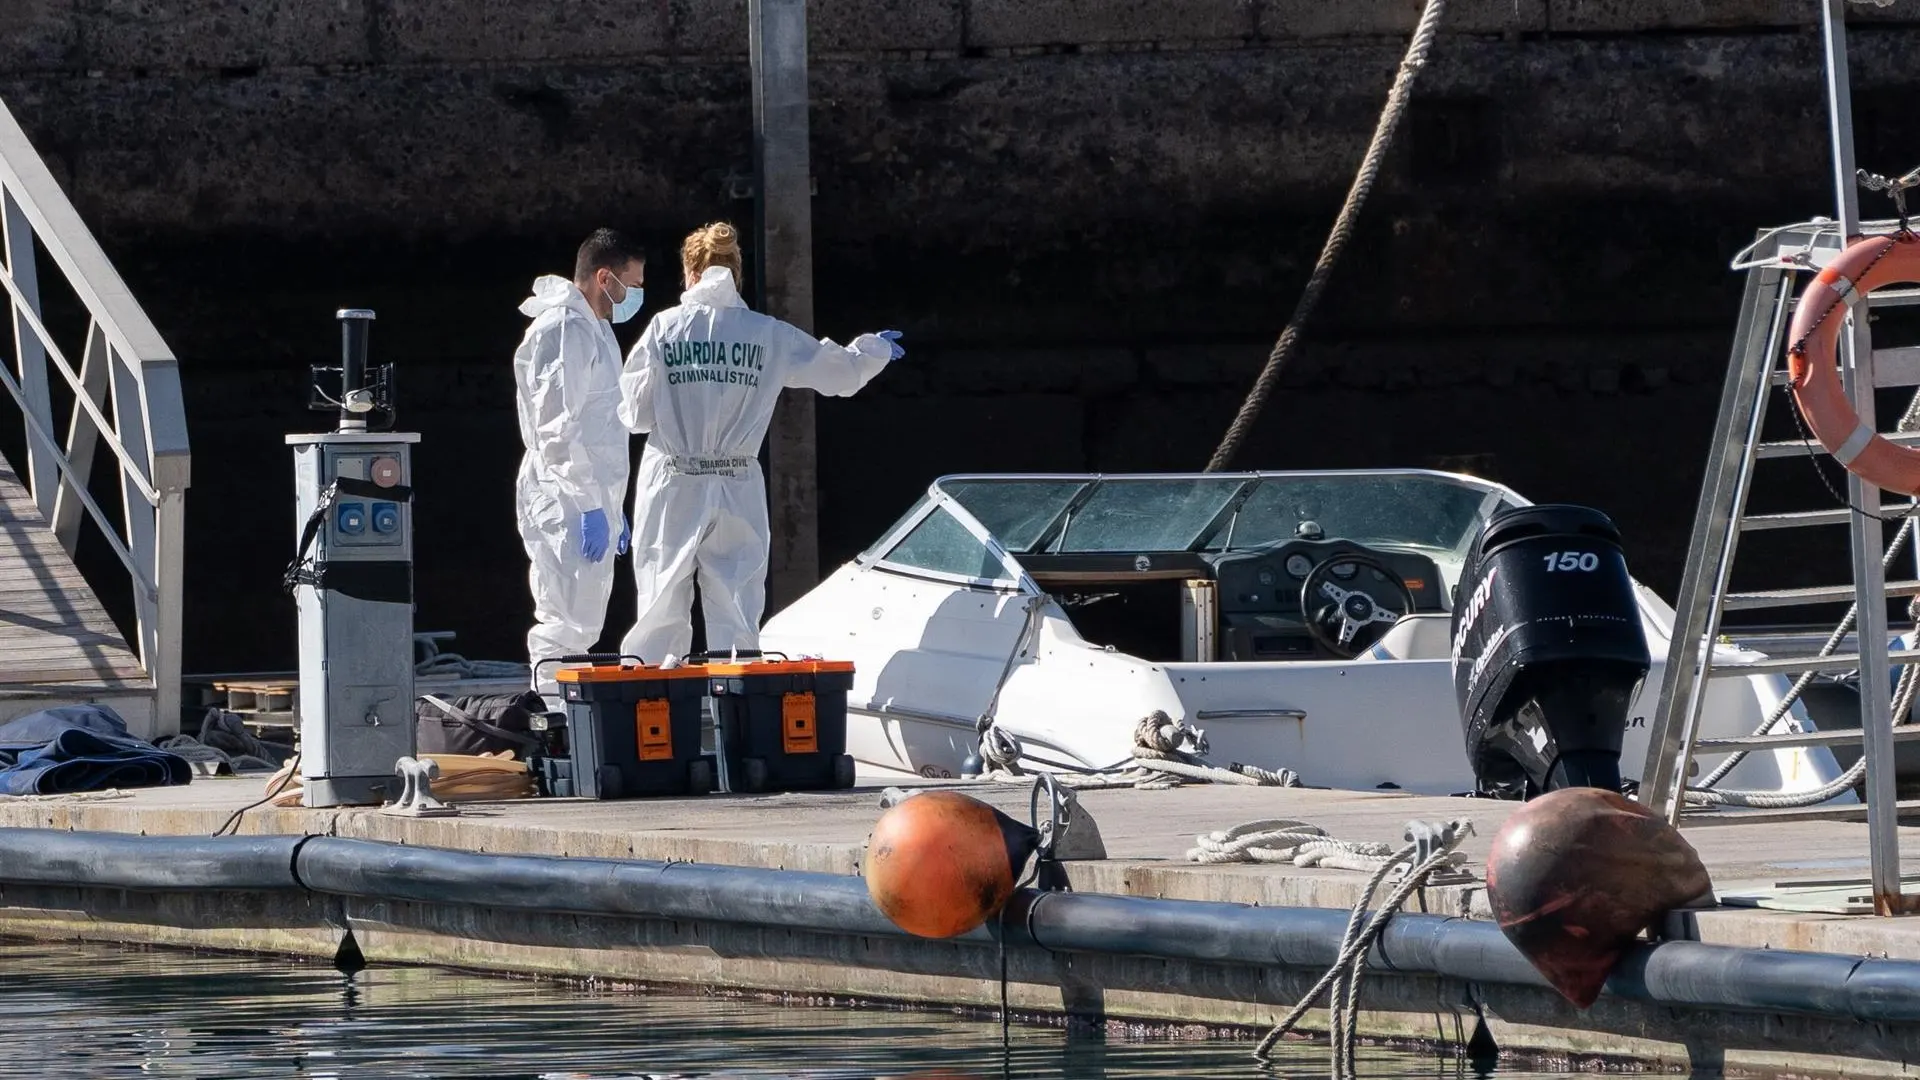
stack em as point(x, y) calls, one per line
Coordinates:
point(52, 627)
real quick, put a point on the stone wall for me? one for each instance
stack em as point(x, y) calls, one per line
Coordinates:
point(1090, 219)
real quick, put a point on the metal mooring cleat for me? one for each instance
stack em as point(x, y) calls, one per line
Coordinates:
point(416, 790)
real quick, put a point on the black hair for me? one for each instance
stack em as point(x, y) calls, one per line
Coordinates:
point(605, 249)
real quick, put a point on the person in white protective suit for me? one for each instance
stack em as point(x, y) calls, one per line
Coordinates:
point(702, 382)
point(573, 477)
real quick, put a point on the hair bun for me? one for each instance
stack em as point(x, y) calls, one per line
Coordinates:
point(717, 244)
point(723, 238)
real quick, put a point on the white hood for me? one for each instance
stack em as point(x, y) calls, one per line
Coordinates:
point(715, 288)
point(552, 291)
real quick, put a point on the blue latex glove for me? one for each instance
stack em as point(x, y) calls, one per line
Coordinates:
point(626, 535)
point(593, 535)
point(893, 342)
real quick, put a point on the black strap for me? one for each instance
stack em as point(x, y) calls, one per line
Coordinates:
point(383, 581)
point(301, 570)
point(597, 659)
point(479, 725)
point(366, 489)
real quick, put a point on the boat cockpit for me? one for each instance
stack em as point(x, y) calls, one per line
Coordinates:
point(1201, 567)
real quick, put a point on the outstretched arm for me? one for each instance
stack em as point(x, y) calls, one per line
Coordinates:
point(833, 370)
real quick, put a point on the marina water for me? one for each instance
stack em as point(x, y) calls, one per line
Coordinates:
point(88, 1011)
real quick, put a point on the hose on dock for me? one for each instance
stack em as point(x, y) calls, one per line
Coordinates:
point(1671, 974)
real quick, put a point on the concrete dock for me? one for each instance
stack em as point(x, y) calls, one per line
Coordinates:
point(1146, 835)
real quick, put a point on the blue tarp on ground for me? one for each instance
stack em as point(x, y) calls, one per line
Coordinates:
point(81, 748)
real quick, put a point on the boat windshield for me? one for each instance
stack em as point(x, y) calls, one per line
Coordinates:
point(1209, 512)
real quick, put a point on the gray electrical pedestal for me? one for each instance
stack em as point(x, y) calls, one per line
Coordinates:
point(353, 584)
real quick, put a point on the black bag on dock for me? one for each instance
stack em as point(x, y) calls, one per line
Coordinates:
point(478, 724)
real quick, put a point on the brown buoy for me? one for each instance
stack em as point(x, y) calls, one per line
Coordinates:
point(941, 863)
point(1576, 874)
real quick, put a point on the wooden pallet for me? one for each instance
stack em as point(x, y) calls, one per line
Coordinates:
point(260, 702)
point(272, 701)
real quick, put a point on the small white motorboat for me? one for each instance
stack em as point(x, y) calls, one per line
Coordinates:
point(1301, 620)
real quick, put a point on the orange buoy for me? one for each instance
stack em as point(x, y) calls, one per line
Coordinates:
point(1865, 265)
point(941, 863)
point(1576, 874)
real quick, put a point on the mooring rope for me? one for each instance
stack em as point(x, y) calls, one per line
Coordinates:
point(1397, 97)
point(1166, 754)
point(1903, 696)
point(1345, 974)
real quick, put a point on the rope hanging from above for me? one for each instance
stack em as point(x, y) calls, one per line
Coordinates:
point(1410, 66)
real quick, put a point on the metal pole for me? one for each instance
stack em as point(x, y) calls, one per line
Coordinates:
point(169, 562)
point(43, 477)
point(354, 327)
point(784, 215)
point(1869, 540)
point(1710, 552)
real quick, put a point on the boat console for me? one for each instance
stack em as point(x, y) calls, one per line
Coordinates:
point(1224, 567)
point(1317, 598)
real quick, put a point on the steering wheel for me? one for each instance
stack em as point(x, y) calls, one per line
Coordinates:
point(1355, 609)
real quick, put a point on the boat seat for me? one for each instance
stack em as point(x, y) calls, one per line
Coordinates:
point(1416, 637)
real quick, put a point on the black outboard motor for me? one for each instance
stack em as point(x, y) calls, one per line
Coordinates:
point(1548, 651)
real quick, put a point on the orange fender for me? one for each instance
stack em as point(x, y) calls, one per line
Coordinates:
point(1864, 266)
point(941, 863)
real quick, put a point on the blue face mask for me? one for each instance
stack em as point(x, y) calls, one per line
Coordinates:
point(629, 307)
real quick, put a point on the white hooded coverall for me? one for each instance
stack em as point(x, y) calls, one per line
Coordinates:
point(702, 382)
point(566, 377)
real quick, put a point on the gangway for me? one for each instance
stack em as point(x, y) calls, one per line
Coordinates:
point(121, 410)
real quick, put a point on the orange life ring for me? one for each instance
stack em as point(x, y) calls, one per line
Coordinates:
point(1864, 266)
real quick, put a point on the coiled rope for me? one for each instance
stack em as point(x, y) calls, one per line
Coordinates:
point(1284, 840)
point(1397, 98)
point(1166, 754)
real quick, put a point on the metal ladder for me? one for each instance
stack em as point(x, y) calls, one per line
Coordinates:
point(1721, 518)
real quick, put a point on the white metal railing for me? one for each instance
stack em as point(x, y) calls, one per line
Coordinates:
point(145, 429)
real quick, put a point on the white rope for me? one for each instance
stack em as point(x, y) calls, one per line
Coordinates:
point(1166, 754)
point(1283, 840)
point(1903, 699)
point(1343, 978)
